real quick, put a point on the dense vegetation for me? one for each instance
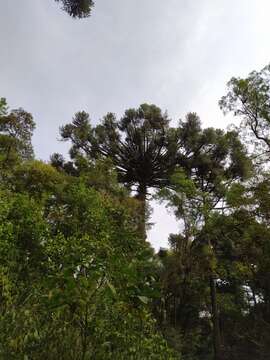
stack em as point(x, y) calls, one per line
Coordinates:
point(78, 280)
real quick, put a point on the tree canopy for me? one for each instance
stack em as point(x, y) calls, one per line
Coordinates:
point(16, 130)
point(249, 98)
point(140, 145)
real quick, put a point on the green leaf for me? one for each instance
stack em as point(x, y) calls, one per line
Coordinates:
point(112, 288)
point(143, 299)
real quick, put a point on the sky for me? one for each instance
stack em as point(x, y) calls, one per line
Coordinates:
point(177, 54)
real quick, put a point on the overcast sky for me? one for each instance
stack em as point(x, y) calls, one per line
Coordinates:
point(177, 54)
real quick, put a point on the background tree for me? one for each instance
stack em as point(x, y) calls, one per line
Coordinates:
point(213, 161)
point(16, 130)
point(242, 253)
point(3, 106)
point(249, 98)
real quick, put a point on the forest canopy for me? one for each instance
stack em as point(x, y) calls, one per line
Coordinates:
point(78, 278)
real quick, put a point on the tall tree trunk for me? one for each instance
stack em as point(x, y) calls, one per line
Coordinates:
point(141, 196)
point(213, 294)
point(215, 319)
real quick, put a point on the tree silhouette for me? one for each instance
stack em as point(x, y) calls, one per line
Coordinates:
point(77, 8)
point(140, 145)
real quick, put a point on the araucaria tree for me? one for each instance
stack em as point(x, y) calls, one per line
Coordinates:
point(141, 146)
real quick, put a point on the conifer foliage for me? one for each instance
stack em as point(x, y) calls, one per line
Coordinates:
point(77, 8)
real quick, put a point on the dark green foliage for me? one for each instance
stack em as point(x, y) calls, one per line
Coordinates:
point(240, 259)
point(213, 160)
point(77, 8)
point(242, 247)
point(141, 147)
point(137, 145)
point(3, 107)
point(184, 299)
point(210, 156)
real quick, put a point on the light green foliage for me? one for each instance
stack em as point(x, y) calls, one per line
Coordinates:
point(16, 129)
point(75, 278)
point(36, 178)
point(235, 195)
point(3, 107)
point(249, 98)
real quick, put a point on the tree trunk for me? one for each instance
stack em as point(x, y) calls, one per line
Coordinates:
point(215, 319)
point(141, 196)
